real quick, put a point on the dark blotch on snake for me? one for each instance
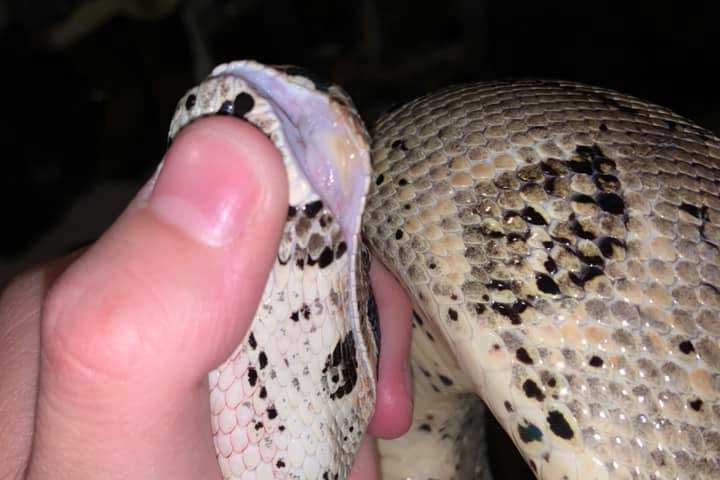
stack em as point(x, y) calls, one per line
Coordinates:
point(292, 211)
point(696, 404)
point(531, 433)
point(326, 257)
point(244, 102)
point(398, 234)
point(294, 316)
point(399, 144)
point(596, 361)
point(593, 260)
point(607, 183)
point(280, 464)
point(611, 203)
point(580, 231)
point(262, 360)
point(546, 284)
point(581, 166)
point(511, 311)
point(452, 314)
point(343, 357)
point(380, 179)
point(252, 341)
point(445, 380)
point(608, 245)
point(582, 198)
point(559, 425)
point(549, 169)
point(686, 347)
point(272, 413)
point(340, 250)
point(532, 216)
point(532, 390)
point(312, 208)
point(226, 108)
point(699, 213)
point(190, 102)
point(417, 318)
point(585, 275)
point(252, 376)
point(550, 266)
point(425, 427)
point(263, 392)
point(523, 355)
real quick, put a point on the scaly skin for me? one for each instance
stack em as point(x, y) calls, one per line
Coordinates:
point(560, 244)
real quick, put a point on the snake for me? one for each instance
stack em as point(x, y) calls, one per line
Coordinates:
point(559, 244)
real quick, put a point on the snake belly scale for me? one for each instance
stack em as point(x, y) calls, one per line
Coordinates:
point(559, 243)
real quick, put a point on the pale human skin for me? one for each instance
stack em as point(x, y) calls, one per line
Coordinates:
point(104, 354)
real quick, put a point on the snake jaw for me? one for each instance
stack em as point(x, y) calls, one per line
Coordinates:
point(329, 142)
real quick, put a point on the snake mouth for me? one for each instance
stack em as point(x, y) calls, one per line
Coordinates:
point(326, 139)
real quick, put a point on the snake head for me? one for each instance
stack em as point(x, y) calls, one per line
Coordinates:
point(301, 389)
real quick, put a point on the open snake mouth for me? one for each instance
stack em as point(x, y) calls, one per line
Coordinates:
point(325, 140)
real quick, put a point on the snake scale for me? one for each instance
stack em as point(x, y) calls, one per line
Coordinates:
point(559, 243)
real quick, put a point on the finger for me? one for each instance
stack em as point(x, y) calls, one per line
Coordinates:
point(132, 327)
point(367, 461)
point(393, 407)
point(20, 306)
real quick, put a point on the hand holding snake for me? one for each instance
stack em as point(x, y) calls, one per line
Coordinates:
point(104, 354)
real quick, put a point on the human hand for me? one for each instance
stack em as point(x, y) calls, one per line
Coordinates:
point(104, 354)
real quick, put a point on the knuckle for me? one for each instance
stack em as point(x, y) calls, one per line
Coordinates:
point(96, 328)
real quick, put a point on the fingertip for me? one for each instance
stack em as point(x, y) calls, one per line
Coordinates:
point(393, 406)
point(217, 178)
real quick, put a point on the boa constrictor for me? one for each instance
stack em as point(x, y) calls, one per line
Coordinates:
point(559, 243)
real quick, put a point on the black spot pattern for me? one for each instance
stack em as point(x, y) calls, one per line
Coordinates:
point(532, 390)
point(530, 433)
point(343, 359)
point(312, 208)
point(523, 355)
point(686, 347)
point(595, 361)
point(559, 425)
point(243, 104)
point(252, 376)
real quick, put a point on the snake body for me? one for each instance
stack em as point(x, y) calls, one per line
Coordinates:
point(559, 243)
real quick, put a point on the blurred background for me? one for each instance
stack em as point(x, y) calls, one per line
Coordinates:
point(89, 87)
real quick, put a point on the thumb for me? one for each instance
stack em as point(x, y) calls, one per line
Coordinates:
point(131, 329)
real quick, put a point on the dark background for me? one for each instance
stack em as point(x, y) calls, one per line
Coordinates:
point(88, 93)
